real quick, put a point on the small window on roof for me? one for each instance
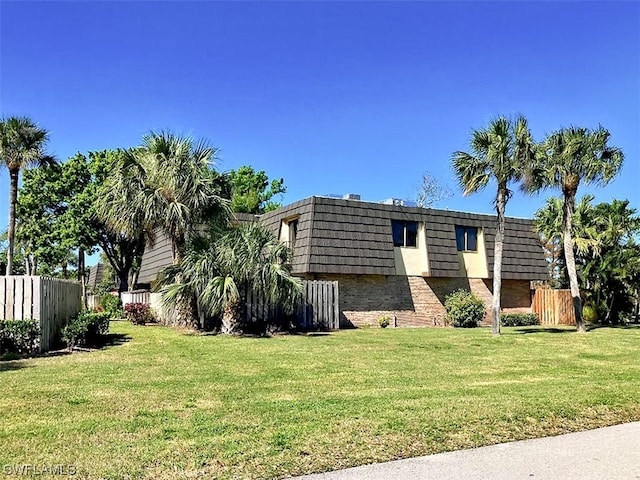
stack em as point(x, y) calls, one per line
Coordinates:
point(467, 239)
point(405, 234)
point(293, 233)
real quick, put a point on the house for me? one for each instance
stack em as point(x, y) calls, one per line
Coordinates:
point(397, 260)
point(96, 276)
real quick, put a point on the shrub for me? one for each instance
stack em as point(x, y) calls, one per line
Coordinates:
point(519, 319)
point(590, 313)
point(384, 321)
point(112, 305)
point(86, 329)
point(464, 309)
point(138, 313)
point(19, 336)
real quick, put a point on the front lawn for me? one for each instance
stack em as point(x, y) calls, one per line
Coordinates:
point(163, 404)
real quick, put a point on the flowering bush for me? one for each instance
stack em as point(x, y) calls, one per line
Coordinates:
point(138, 313)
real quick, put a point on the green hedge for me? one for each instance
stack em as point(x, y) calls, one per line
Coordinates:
point(519, 319)
point(19, 336)
point(86, 329)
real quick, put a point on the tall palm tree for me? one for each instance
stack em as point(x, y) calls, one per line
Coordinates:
point(497, 152)
point(166, 183)
point(567, 158)
point(249, 257)
point(22, 144)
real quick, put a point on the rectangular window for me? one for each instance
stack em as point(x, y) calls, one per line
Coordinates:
point(398, 233)
point(293, 233)
point(405, 234)
point(467, 239)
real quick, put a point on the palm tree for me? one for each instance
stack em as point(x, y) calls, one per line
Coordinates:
point(567, 158)
point(166, 183)
point(22, 143)
point(497, 153)
point(548, 225)
point(246, 258)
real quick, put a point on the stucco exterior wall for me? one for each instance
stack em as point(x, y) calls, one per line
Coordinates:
point(413, 260)
point(474, 264)
point(416, 301)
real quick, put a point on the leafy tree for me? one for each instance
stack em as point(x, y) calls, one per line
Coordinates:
point(57, 215)
point(431, 191)
point(567, 158)
point(40, 206)
point(499, 153)
point(18, 256)
point(217, 272)
point(123, 248)
point(251, 191)
point(22, 144)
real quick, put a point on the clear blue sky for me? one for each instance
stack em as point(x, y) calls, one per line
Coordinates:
point(335, 97)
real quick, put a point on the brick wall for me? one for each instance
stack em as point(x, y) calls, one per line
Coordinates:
point(416, 301)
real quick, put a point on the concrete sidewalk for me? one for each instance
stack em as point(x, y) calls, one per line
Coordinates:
point(609, 453)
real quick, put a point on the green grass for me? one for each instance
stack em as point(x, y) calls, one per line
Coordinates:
point(163, 404)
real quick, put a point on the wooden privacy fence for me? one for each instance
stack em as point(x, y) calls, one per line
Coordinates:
point(554, 307)
point(52, 301)
point(135, 297)
point(127, 297)
point(318, 310)
point(320, 306)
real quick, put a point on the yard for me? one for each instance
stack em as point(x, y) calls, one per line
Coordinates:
point(159, 403)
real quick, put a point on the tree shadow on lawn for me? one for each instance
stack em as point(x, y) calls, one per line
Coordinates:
point(633, 326)
point(526, 330)
point(292, 333)
point(113, 340)
point(572, 329)
point(8, 365)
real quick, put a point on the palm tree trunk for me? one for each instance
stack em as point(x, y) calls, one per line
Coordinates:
point(497, 262)
point(231, 318)
point(11, 233)
point(567, 223)
point(187, 313)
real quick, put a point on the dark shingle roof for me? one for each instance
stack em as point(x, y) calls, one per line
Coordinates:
point(158, 255)
point(96, 275)
point(354, 237)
